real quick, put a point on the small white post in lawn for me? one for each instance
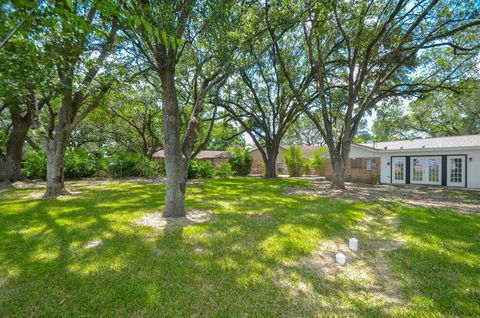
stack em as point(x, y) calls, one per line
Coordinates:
point(341, 258)
point(353, 244)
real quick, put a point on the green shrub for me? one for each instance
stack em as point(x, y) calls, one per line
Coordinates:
point(294, 161)
point(206, 169)
point(192, 169)
point(79, 163)
point(224, 170)
point(101, 166)
point(319, 161)
point(124, 164)
point(34, 165)
point(240, 161)
point(307, 167)
point(200, 169)
point(150, 168)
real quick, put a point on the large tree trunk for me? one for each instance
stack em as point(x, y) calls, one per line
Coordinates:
point(339, 161)
point(338, 178)
point(55, 151)
point(176, 163)
point(175, 195)
point(270, 161)
point(270, 168)
point(12, 160)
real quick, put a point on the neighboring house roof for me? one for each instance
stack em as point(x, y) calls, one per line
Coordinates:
point(428, 143)
point(204, 154)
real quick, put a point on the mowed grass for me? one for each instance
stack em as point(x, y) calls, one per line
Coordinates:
point(263, 254)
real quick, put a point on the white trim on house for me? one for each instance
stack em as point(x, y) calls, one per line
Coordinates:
point(436, 154)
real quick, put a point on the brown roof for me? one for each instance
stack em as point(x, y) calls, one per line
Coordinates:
point(205, 154)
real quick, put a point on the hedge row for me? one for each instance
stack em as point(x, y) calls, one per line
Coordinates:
point(79, 163)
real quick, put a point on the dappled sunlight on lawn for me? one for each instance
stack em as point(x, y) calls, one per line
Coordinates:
point(263, 253)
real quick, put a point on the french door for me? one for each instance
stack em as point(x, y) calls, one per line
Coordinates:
point(398, 170)
point(456, 171)
point(426, 170)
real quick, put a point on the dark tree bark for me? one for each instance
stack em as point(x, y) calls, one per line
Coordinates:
point(270, 155)
point(271, 164)
point(55, 165)
point(21, 122)
point(12, 159)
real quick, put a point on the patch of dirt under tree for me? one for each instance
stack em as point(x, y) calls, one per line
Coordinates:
point(463, 200)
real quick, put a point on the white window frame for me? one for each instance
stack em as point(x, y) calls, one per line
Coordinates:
point(427, 170)
point(423, 170)
point(464, 163)
point(404, 160)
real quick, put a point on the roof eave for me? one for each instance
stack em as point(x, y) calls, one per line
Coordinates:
point(431, 149)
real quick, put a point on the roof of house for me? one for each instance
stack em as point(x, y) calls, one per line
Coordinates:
point(428, 143)
point(204, 154)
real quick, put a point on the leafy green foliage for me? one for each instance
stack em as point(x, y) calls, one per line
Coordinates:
point(434, 115)
point(294, 160)
point(302, 132)
point(200, 169)
point(241, 161)
point(318, 162)
point(79, 163)
point(125, 164)
point(151, 168)
point(203, 169)
point(224, 170)
point(35, 165)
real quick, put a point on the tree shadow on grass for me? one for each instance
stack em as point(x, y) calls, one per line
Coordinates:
point(215, 268)
point(234, 264)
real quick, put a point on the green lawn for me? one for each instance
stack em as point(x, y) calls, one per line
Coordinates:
point(263, 254)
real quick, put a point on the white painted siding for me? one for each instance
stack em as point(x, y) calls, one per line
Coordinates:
point(361, 152)
point(473, 167)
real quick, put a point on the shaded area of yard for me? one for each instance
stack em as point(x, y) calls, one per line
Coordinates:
point(263, 254)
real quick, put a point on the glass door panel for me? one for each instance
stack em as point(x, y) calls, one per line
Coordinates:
point(417, 170)
point(398, 170)
point(456, 171)
point(426, 170)
point(433, 174)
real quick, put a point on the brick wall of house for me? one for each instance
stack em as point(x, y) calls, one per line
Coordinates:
point(258, 167)
point(357, 170)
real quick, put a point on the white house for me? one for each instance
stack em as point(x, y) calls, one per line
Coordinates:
point(445, 161)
